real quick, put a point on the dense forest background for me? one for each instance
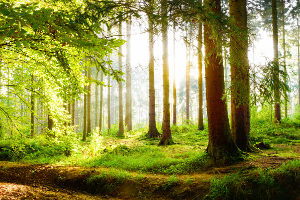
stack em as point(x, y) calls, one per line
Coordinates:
point(153, 86)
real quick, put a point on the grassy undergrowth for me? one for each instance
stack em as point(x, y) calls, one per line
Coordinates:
point(135, 152)
point(280, 183)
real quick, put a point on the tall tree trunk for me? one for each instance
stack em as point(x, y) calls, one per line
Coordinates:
point(89, 98)
point(174, 78)
point(298, 43)
point(187, 75)
point(240, 87)
point(121, 123)
point(84, 113)
point(276, 64)
point(73, 111)
point(284, 58)
point(128, 114)
point(221, 145)
point(166, 135)
point(101, 103)
point(200, 80)
point(108, 105)
point(32, 107)
point(96, 100)
point(153, 132)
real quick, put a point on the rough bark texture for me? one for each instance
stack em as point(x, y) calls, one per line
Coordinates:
point(96, 100)
point(276, 64)
point(221, 145)
point(121, 124)
point(200, 80)
point(84, 113)
point(166, 135)
point(174, 78)
point(128, 112)
point(50, 122)
point(73, 111)
point(101, 103)
point(153, 132)
point(240, 87)
point(32, 108)
point(298, 43)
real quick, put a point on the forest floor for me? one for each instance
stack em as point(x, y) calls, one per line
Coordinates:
point(36, 181)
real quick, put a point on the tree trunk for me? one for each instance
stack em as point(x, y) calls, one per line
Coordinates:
point(174, 78)
point(73, 111)
point(89, 98)
point(298, 38)
point(221, 146)
point(240, 87)
point(153, 132)
point(32, 107)
point(276, 64)
point(101, 103)
point(108, 105)
point(84, 113)
point(200, 81)
point(166, 135)
point(128, 115)
point(284, 58)
point(187, 76)
point(121, 124)
point(96, 100)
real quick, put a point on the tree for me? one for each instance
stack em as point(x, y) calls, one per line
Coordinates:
point(276, 63)
point(128, 114)
point(187, 75)
point(101, 103)
point(200, 79)
point(284, 56)
point(89, 99)
point(166, 135)
point(121, 125)
point(108, 104)
point(174, 78)
point(32, 104)
point(153, 132)
point(221, 145)
point(240, 87)
point(85, 112)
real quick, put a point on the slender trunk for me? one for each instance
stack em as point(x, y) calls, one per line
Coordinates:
point(153, 132)
point(200, 81)
point(96, 100)
point(84, 113)
point(121, 124)
point(187, 76)
point(73, 111)
point(128, 114)
point(166, 135)
point(174, 78)
point(298, 43)
point(284, 58)
point(221, 146)
point(101, 103)
point(32, 109)
point(108, 105)
point(89, 98)
point(276, 64)
point(240, 87)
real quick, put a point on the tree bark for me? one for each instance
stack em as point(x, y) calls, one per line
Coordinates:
point(298, 38)
point(89, 99)
point(96, 99)
point(128, 115)
point(121, 124)
point(200, 80)
point(284, 58)
point(108, 105)
point(32, 108)
point(153, 132)
point(73, 111)
point(85, 113)
point(101, 103)
point(221, 146)
point(174, 78)
point(166, 135)
point(187, 76)
point(240, 86)
point(276, 64)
